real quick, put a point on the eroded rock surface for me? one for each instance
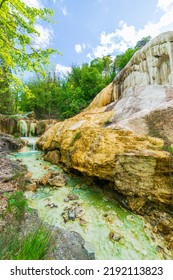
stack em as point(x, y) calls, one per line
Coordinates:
point(8, 143)
point(53, 179)
point(12, 173)
point(151, 65)
point(24, 125)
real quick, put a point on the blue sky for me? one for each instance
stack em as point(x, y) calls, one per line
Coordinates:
point(86, 29)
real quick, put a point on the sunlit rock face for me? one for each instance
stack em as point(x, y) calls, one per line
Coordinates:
point(103, 98)
point(141, 95)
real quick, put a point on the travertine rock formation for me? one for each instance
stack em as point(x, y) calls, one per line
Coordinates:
point(109, 140)
point(152, 65)
point(144, 109)
point(24, 126)
point(100, 141)
point(103, 98)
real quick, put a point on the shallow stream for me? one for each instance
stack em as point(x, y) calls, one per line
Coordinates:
point(101, 215)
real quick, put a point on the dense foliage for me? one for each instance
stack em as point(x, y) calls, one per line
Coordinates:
point(61, 98)
point(122, 59)
point(18, 51)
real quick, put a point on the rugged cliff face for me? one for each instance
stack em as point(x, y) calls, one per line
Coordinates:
point(110, 139)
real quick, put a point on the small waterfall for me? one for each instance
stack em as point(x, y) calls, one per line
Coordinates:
point(23, 128)
point(32, 143)
point(32, 129)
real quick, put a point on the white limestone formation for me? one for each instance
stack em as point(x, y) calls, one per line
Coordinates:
point(151, 65)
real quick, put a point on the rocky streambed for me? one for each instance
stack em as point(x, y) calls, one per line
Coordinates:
point(14, 177)
point(81, 208)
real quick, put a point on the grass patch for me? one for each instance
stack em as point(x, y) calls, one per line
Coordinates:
point(15, 243)
point(17, 205)
point(36, 245)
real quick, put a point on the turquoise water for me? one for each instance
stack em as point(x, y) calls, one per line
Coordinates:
point(101, 216)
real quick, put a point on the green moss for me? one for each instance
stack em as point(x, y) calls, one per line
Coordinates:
point(17, 204)
point(168, 149)
point(75, 138)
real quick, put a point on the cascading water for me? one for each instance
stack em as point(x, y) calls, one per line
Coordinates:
point(32, 129)
point(23, 128)
point(30, 143)
point(103, 216)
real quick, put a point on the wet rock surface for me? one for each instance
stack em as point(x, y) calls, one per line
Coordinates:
point(24, 125)
point(13, 176)
point(8, 143)
point(12, 172)
point(53, 179)
point(52, 156)
point(162, 223)
point(74, 210)
point(67, 245)
point(114, 236)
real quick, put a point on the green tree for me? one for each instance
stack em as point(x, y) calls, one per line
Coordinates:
point(52, 97)
point(17, 25)
point(41, 96)
point(6, 95)
point(122, 59)
point(142, 42)
point(17, 30)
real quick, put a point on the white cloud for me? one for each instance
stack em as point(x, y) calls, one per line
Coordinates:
point(62, 71)
point(126, 36)
point(43, 40)
point(79, 47)
point(33, 3)
point(45, 34)
point(64, 11)
point(164, 4)
point(118, 41)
